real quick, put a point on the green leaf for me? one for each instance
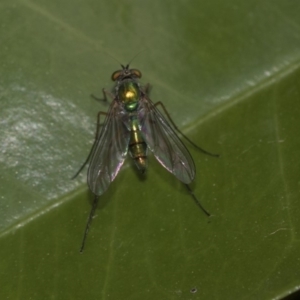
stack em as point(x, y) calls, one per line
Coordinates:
point(228, 73)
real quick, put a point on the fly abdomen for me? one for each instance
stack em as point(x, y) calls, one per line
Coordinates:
point(139, 155)
point(137, 147)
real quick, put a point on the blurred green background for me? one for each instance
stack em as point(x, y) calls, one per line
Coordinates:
point(228, 73)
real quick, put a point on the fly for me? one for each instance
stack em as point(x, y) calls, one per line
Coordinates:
point(135, 125)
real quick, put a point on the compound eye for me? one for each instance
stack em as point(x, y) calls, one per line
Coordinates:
point(136, 73)
point(116, 75)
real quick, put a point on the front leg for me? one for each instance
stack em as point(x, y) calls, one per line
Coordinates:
point(104, 99)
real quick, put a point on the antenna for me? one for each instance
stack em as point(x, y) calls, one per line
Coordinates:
point(136, 56)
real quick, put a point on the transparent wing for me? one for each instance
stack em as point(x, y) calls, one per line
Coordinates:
point(110, 150)
point(164, 142)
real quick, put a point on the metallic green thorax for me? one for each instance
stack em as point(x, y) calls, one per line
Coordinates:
point(129, 94)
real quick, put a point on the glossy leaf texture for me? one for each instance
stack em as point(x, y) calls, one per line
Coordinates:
point(228, 73)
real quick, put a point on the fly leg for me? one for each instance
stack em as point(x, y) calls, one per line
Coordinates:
point(104, 99)
point(147, 89)
point(89, 221)
point(95, 142)
point(96, 198)
point(97, 136)
point(197, 147)
point(196, 200)
point(183, 135)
